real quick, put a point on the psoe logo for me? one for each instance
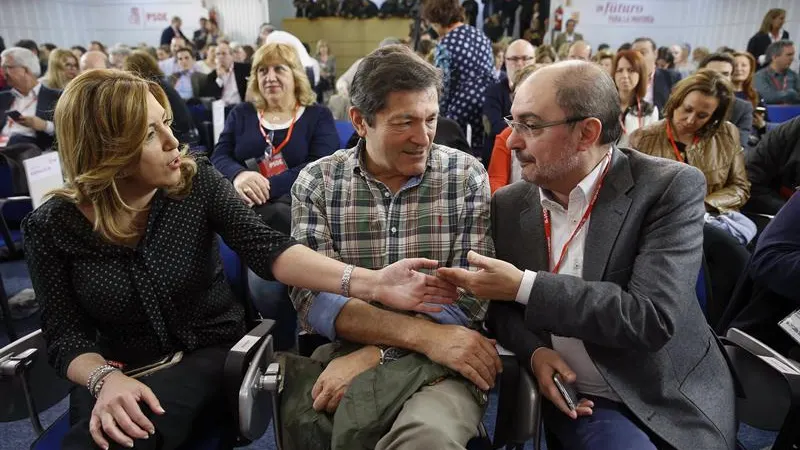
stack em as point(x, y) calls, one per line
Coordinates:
point(156, 17)
point(135, 18)
point(619, 8)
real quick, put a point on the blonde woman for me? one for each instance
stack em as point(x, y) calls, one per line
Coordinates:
point(62, 67)
point(545, 54)
point(125, 263)
point(771, 31)
point(327, 66)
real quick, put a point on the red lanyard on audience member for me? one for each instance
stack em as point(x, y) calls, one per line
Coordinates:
point(778, 86)
point(638, 114)
point(277, 149)
point(675, 146)
point(586, 215)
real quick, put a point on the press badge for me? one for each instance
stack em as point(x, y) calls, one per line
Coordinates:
point(791, 325)
point(273, 165)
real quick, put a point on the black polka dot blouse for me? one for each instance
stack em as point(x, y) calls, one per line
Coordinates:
point(168, 293)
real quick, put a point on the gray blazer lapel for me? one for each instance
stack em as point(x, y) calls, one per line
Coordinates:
point(533, 242)
point(607, 217)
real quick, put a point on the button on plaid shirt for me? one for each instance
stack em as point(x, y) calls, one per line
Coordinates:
point(341, 211)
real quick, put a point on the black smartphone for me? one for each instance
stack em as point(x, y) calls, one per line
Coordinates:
point(15, 115)
point(568, 393)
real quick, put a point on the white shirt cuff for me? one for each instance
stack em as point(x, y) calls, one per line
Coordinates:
point(525, 287)
point(50, 128)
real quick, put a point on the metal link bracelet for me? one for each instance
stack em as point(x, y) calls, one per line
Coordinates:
point(348, 272)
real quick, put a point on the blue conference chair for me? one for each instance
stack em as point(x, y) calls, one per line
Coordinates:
point(345, 131)
point(782, 113)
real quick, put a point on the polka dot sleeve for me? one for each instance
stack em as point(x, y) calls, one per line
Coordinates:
point(66, 327)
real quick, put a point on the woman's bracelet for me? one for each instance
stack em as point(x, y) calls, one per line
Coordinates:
point(97, 378)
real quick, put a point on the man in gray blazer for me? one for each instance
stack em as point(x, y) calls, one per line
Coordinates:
point(612, 307)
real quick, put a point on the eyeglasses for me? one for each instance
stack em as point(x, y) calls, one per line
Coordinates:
point(519, 58)
point(528, 130)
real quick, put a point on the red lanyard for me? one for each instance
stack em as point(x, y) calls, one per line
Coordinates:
point(280, 146)
point(675, 146)
point(778, 86)
point(586, 215)
point(638, 114)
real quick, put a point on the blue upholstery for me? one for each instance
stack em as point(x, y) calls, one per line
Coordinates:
point(703, 287)
point(52, 436)
point(345, 130)
point(782, 113)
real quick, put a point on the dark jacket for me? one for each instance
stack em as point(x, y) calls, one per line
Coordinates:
point(770, 290)
point(314, 136)
point(496, 106)
point(773, 168)
point(241, 71)
point(182, 123)
point(663, 81)
point(742, 117)
point(44, 109)
point(757, 45)
point(168, 34)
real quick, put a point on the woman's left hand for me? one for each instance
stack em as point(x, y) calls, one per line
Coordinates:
point(402, 286)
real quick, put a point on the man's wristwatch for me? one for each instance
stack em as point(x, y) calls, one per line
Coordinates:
point(389, 354)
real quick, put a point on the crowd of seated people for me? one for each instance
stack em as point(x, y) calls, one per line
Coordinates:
point(589, 187)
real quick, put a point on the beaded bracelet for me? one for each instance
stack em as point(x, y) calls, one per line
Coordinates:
point(101, 381)
point(97, 376)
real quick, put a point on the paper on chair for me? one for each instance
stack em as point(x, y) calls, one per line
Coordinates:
point(218, 118)
point(44, 175)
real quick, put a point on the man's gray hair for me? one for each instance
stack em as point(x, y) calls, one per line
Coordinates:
point(389, 41)
point(776, 48)
point(120, 50)
point(586, 90)
point(394, 68)
point(24, 57)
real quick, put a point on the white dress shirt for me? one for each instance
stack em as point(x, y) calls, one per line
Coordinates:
point(26, 105)
point(563, 223)
point(230, 92)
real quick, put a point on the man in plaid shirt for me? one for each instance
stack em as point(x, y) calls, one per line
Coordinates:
point(397, 195)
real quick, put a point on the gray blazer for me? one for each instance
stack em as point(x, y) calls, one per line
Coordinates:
point(742, 117)
point(635, 307)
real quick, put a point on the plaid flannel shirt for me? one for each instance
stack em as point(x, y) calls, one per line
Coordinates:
point(341, 211)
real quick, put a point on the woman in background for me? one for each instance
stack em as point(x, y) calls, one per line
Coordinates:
point(327, 67)
point(62, 67)
point(695, 131)
point(771, 31)
point(744, 66)
point(464, 54)
point(630, 77)
point(266, 142)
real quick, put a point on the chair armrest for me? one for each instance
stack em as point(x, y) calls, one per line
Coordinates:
point(770, 381)
point(519, 405)
point(251, 379)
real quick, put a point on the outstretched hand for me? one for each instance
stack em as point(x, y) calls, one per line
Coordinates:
point(402, 286)
point(494, 279)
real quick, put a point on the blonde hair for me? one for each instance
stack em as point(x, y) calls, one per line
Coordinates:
point(282, 54)
point(101, 125)
point(323, 43)
point(766, 24)
point(56, 78)
point(545, 51)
